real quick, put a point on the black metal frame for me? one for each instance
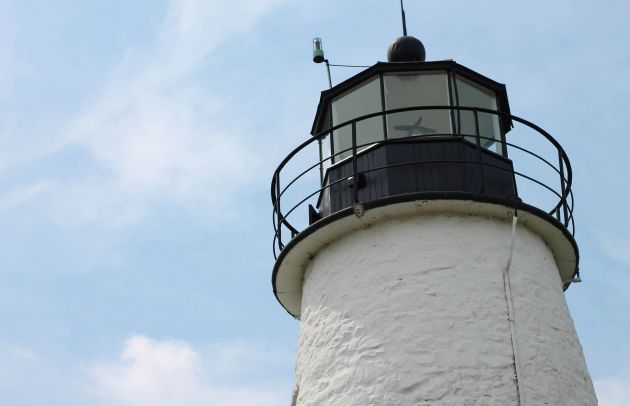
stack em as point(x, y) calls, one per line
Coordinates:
point(561, 214)
point(453, 71)
point(323, 116)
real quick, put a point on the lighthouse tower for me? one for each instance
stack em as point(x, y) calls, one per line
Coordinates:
point(424, 239)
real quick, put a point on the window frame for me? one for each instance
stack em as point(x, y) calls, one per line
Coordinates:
point(324, 117)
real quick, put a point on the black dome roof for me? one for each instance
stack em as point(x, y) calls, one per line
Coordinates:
point(406, 49)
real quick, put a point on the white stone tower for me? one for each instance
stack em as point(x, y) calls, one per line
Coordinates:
point(423, 277)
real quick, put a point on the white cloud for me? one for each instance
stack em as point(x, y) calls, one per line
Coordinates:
point(17, 363)
point(17, 353)
point(151, 132)
point(613, 391)
point(21, 195)
point(153, 372)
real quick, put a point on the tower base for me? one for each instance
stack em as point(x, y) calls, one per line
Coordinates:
point(413, 310)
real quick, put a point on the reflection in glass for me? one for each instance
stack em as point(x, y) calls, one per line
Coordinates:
point(360, 101)
point(417, 89)
point(473, 95)
point(325, 152)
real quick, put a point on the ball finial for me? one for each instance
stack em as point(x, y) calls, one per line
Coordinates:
point(406, 49)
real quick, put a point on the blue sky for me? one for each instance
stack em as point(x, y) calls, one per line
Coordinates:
point(137, 143)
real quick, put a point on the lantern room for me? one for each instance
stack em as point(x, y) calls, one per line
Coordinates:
point(441, 113)
point(390, 86)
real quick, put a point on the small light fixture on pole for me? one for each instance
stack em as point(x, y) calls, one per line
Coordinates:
point(318, 57)
point(318, 51)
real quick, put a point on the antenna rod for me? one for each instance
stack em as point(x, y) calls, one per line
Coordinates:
point(329, 77)
point(404, 19)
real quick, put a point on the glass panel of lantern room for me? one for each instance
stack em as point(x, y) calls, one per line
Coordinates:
point(362, 100)
point(417, 89)
point(324, 152)
point(471, 94)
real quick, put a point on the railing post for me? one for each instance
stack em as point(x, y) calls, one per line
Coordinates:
point(321, 162)
point(355, 171)
point(278, 212)
point(563, 189)
point(479, 155)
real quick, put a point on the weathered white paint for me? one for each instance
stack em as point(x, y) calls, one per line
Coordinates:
point(412, 311)
point(297, 255)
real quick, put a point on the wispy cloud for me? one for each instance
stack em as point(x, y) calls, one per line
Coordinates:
point(22, 195)
point(151, 134)
point(17, 354)
point(613, 391)
point(154, 372)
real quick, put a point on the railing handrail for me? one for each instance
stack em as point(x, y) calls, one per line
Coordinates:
point(280, 219)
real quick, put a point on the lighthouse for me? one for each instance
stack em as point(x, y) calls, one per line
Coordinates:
point(424, 237)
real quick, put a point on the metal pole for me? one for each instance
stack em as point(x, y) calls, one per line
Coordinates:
point(355, 172)
point(329, 77)
point(280, 219)
point(479, 156)
point(563, 189)
point(321, 162)
point(404, 19)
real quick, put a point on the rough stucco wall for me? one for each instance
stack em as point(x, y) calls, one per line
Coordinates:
point(413, 312)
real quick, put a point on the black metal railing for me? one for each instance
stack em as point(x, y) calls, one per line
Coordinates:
point(307, 183)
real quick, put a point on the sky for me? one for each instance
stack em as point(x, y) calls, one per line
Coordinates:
point(137, 144)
